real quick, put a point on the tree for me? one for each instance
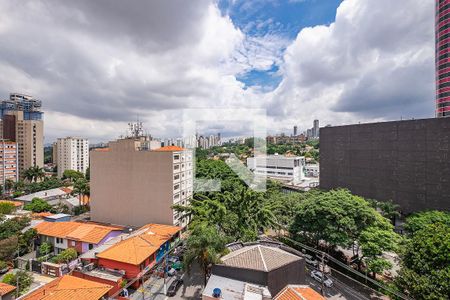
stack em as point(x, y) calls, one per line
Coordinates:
point(23, 278)
point(13, 226)
point(374, 241)
point(425, 271)
point(72, 175)
point(336, 217)
point(26, 241)
point(420, 220)
point(6, 208)
point(8, 248)
point(88, 173)
point(45, 248)
point(66, 256)
point(37, 205)
point(204, 246)
point(81, 188)
point(33, 174)
point(9, 184)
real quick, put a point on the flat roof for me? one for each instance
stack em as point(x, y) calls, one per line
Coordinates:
point(235, 289)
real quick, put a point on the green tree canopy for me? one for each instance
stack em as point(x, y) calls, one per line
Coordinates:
point(72, 175)
point(22, 277)
point(37, 205)
point(6, 208)
point(66, 256)
point(420, 220)
point(205, 245)
point(34, 173)
point(425, 272)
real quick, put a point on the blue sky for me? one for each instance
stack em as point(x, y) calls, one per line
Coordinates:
point(283, 18)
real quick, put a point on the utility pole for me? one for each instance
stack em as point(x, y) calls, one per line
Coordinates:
point(323, 275)
point(165, 271)
point(142, 287)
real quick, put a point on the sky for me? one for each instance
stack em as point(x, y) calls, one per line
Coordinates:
point(98, 65)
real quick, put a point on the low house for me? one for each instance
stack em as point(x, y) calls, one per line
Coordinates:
point(6, 291)
point(78, 235)
point(141, 251)
point(52, 196)
point(57, 218)
point(263, 265)
point(70, 287)
point(298, 292)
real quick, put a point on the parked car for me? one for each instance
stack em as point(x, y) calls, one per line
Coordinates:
point(171, 272)
point(310, 260)
point(174, 286)
point(319, 276)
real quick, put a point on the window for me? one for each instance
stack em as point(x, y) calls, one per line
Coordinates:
point(91, 246)
point(176, 186)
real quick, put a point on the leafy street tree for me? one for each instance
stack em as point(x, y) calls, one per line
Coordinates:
point(8, 248)
point(374, 241)
point(420, 220)
point(37, 205)
point(204, 247)
point(425, 272)
point(13, 226)
point(336, 217)
point(33, 174)
point(26, 241)
point(22, 277)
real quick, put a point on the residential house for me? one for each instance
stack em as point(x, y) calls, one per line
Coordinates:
point(6, 291)
point(219, 287)
point(70, 287)
point(78, 235)
point(141, 251)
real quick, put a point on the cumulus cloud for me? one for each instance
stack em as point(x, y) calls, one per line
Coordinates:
point(98, 64)
point(375, 62)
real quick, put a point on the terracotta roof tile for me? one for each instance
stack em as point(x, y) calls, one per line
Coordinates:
point(137, 248)
point(70, 287)
point(84, 232)
point(298, 292)
point(169, 149)
point(6, 288)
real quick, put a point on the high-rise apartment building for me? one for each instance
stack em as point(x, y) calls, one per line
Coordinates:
point(132, 184)
point(72, 153)
point(22, 123)
point(442, 30)
point(295, 130)
point(9, 168)
point(316, 128)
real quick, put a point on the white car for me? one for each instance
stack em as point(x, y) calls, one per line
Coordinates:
point(319, 276)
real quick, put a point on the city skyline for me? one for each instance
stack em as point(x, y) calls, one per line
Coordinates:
point(299, 60)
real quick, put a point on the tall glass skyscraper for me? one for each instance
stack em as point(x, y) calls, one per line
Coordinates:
point(442, 29)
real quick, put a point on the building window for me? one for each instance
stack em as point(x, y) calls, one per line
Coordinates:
point(91, 246)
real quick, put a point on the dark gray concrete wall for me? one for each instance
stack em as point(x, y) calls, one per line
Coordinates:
point(404, 161)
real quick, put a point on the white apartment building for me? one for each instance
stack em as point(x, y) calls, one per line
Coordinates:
point(72, 153)
point(286, 168)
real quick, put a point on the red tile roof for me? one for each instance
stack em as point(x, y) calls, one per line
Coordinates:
point(169, 149)
point(84, 232)
point(139, 247)
point(6, 288)
point(70, 287)
point(298, 292)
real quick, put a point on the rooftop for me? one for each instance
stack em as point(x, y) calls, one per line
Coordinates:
point(52, 193)
point(6, 288)
point(235, 289)
point(259, 257)
point(56, 216)
point(298, 292)
point(141, 245)
point(69, 287)
point(85, 232)
point(169, 149)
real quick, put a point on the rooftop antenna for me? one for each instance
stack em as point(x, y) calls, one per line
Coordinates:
point(136, 128)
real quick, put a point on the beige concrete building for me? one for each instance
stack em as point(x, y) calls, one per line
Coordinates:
point(134, 185)
point(22, 123)
point(71, 153)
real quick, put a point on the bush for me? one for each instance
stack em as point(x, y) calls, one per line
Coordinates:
point(65, 256)
point(45, 248)
point(3, 265)
point(38, 205)
point(6, 208)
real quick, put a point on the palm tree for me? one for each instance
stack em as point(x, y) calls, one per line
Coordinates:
point(9, 184)
point(81, 188)
point(204, 247)
point(34, 173)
